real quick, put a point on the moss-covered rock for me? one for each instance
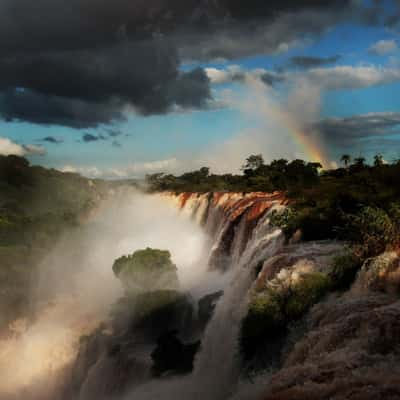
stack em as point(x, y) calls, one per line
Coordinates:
point(147, 270)
point(153, 313)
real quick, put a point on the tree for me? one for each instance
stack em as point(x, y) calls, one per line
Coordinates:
point(204, 172)
point(147, 270)
point(378, 160)
point(253, 162)
point(359, 161)
point(345, 159)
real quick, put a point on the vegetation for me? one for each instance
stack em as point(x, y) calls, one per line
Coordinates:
point(344, 270)
point(147, 270)
point(271, 311)
point(339, 203)
point(36, 206)
point(257, 176)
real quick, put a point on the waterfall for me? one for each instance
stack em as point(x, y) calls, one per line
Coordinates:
point(216, 370)
point(218, 240)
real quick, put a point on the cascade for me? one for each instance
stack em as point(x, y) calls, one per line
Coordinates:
point(216, 369)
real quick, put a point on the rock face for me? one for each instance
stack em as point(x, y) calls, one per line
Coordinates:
point(287, 286)
point(381, 273)
point(352, 348)
point(172, 355)
point(206, 306)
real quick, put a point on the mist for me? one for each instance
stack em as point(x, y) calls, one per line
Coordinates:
point(275, 120)
point(77, 288)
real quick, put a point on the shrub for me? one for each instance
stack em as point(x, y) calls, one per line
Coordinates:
point(344, 270)
point(372, 230)
point(147, 270)
point(271, 312)
point(302, 295)
point(286, 220)
point(264, 321)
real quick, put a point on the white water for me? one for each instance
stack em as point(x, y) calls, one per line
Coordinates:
point(77, 285)
point(78, 280)
point(216, 370)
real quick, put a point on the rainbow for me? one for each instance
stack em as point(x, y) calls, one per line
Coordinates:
point(312, 149)
point(310, 146)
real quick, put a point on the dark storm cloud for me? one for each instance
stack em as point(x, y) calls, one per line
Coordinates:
point(359, 127)
point(53, 139)
point(310, 62)
point(27, 25)
point(88, 137)
point(113, 132)
point(83, 63)
point(38, 108)
point(271, 78)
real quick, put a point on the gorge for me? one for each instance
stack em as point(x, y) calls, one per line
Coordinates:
point(275, 327)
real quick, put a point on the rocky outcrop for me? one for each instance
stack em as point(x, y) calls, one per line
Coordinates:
point(288, 285)
point(381, 273)
point(351, 350)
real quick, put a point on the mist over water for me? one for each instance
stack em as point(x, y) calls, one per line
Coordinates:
point(77, 287)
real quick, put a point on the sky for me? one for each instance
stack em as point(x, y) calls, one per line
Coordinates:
point(131, 87)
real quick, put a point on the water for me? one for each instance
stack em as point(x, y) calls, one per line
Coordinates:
point(78, 288)
point(217, 366)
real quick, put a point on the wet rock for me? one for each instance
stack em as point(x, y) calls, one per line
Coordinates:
point(172, 355)
point(381, 274)
point(351, 352)
point(206, 306)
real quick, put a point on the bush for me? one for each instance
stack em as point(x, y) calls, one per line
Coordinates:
point(264, 321)
point(147, 270)
point(372, 230)
point(344, 270)
point(302, 295)
point(286, 220)
point(271, 312)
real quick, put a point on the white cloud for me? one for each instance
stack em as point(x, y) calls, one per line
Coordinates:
point(383, 47)
point(91, 172)
point(329, 78)
point(350, 77)
point(34, 149)
point(235, 73)
point(133, 170)
point(8, 147)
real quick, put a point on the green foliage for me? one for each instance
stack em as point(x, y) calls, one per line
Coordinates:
point(373, 230)
point(344, 270)
point(253, 162)
point(271, 311)
point(258, 176)
point(36, 206)
point(345, 159)
point(287, 220)
point(304, 294)
point(146, 270)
